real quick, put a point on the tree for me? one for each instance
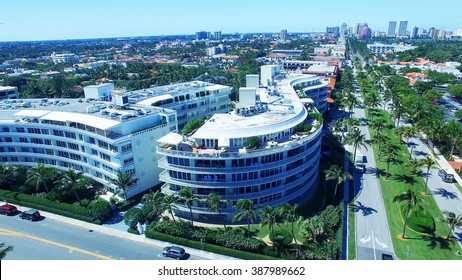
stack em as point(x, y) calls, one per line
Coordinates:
point(7, 174)
point(71, 180)
point(133, 216)
point(40, 175)
point(453, 220)
point(380, 139)
point(429, 163)
point(356, 139)
point(412, 201)
point(187, 197)
point(123, 182)
point(214, 204)
point(4, 250)
point(377, 125)
point(390, 154)
point(312, 228)
point(169, 202)
point(153, 206)
point(100, 210)
point(246, 210)
point(335, 173)
point(289, 212)
point(453, 131)
point(269, 217)
point(350, 101)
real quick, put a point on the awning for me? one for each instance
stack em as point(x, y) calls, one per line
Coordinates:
point(171, 138)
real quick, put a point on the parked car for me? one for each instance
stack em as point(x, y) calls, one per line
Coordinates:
point(8, 209)
point(174, 252)
point(387, 257)
point(31, 215)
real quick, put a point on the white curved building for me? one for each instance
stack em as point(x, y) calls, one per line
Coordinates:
point(284, 168)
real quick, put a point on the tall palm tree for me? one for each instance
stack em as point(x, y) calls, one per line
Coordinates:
point(40, 175)
point(380, 139)
point(123, 182)
point(270, 216)
point(290, 215)
point(187, 197)
point(415, 165)
point(413, 202)
point(377, 125)
point(453, 220)
point(350, 101)
point(335, 173)
point(7, 174)
point(352, 123)
point(169, 202)
point(71, 180)
point(453, 131)
point(356, 139)
point(338, 126)
point(214, 204)
point(407, 132)
point(390, 155)
point(429, 163)
point(154, 200)
point(245, 206)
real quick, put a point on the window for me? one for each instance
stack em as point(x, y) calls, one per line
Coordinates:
point(25, 149)
point(34, 130)
point(126, 148)
point(44, 131)
point(128, 160)
point(61, 144)
point(105, 157)
point(47, 142)
point(6, 129)
point(23, 140)
point(70, 135)
point(58, 133)
point(20, 129)
point(73, 146)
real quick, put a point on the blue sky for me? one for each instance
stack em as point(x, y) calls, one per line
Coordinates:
point(24, 20)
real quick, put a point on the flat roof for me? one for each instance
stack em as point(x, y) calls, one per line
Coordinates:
point(171, 138)
point(95, 121)
point(149, 101)
point(31, 113)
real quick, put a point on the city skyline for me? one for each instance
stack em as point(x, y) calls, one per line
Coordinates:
point(56, 20)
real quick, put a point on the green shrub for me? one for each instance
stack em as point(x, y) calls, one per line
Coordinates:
point(281, 237)
point(193, 124)
point(100, 210)
point(133, 216)
point(133, 231)
point(253, 142)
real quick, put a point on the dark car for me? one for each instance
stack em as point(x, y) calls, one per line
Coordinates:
point(8, 209)
point(31, 215)
point(387, 257)
point(174, 252)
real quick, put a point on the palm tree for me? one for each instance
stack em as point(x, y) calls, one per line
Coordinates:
point(71, 180)
point(337, 126)
point(169, 202)
point(245, 206)
point(214, 204)
point(269, 217)
point(415, 165)
point(377, 125)
point(289, 212)
point(429, 163)
point(123, 182)
point(40, 174)
point(356, 139)
point(407, 132)
point(350, 101)
point(413, 201)
point(390, 154)
point(335, 173)
point(7, 174)
point(352, 123)
point(453, 131)
point(380, 139)
point(187, 196)
point(453, 220)
point(4, 250)
point(154, 199)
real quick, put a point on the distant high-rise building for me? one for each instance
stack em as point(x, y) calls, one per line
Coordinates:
point(217, 35)
point(391, 29)
point(402, 31)
point(350, 31)
point(333, 32)
point(283, 35)
point(415, 32)
point(201, 35)
point(343, 30)
point(364, 32)
point(357, 29)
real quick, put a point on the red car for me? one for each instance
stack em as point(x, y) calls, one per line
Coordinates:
point(8, 209)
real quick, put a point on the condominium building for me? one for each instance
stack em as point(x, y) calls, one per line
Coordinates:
point(402, 31)
point(9, 92)
point(281, 167)
point(104, 138)
point(391, 29)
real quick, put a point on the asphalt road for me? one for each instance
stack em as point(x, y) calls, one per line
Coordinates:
point(54, 240)
point(372, 232)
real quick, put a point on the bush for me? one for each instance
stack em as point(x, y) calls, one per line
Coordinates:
point(133, 231)
point(253, 142)
point(133, 216)
point(193, 124)
point(100, 210)
point(281, 238)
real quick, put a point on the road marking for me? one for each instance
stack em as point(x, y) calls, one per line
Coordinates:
point(381, 244)
point(373, 245)
point(50, 242)
point(364, 240)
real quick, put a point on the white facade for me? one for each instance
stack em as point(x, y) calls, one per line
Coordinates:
point(252, 81)
point(283, 168)
point(102, 91)
point(268, 72)
point(9, 92)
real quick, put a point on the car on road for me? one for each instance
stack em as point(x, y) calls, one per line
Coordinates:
point(387, 257)
point(174, 252)
point(8, 209)
point(31, 215)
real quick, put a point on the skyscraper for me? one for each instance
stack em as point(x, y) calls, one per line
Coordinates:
point(201, 35)
point(402, 31)
point(343, 30)
point(415, 32)
point(217, 35)
point(391, 29)
point(283, 35)
point(333, 32)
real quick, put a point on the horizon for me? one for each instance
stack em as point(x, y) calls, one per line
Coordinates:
point(84, 19)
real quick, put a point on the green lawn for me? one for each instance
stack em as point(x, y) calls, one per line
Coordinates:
point(423, 242)
point(458, 187)
point(351, 233)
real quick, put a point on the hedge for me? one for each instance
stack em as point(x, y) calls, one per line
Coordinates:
point(206, 246)
point(68, 210)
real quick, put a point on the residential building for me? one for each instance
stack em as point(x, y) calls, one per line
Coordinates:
point(217, 35)
point(333, 32)
point(9, 92)
point(64, 58)
point(283, 168)
point(283, 35)
point(415, 32)
point(201, 35)
point(343, 30)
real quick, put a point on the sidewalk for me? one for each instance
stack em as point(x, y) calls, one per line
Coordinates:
point(126, 235)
